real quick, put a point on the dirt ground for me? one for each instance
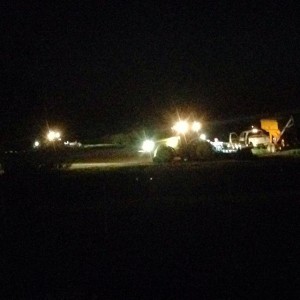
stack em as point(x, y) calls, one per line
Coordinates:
point(221, 230)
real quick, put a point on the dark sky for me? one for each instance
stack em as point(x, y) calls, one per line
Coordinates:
point(106, 67)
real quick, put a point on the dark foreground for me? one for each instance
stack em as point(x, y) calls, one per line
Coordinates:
point(222, 230)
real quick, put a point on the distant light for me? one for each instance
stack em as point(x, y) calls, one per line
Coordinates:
point(181, 127)
point(36, 144)
point(53, 135)
point(255, 130)
point(148, 146)
point(202, 136)
point(196, 126)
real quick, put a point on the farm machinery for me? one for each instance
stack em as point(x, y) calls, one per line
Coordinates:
point(188, 144)
point(269, 137)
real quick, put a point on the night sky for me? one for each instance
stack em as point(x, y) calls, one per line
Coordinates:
point(98, 69)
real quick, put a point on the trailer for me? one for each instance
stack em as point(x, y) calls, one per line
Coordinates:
point(268, 137)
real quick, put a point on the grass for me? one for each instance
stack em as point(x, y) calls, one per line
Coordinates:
point(218, 229)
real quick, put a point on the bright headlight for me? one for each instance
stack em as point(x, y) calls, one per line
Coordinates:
point(148, 146)
point(181, 127)
point(53, 135)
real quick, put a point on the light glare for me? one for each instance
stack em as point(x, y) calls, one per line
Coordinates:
point(202, 137)
point(148, 146)
point(36, 144)
point(53, 135)
point(173, 141)
point(181, 127)
point(196, 126)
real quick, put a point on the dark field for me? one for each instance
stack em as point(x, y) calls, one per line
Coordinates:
point(222, 230)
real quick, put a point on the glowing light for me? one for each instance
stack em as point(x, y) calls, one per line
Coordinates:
point(53, 135)
point(148, 146)
point(196, 126)
point(181, 127)
point(202, 136)
point(255, 130)
point(173, 141)
point(36, 144)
